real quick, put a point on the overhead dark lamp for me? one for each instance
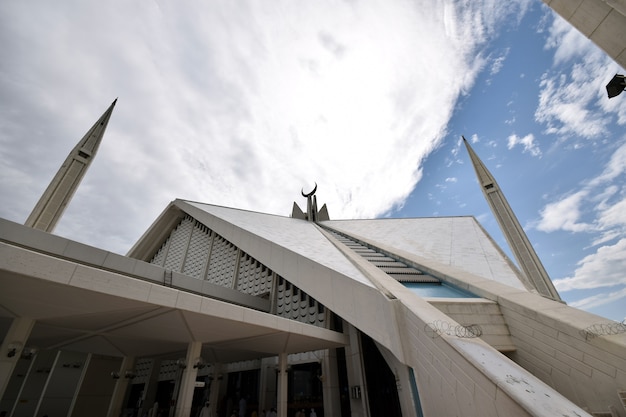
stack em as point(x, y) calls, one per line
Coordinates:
point(199, 363)
point(13, 348)
point(616, 85)
point(28, 353)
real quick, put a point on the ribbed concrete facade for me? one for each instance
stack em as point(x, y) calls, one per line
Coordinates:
point(602, 21)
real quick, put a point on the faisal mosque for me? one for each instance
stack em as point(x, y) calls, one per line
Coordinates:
point(251, 314)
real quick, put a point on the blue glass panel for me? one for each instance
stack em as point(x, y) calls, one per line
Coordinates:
point(437, 290)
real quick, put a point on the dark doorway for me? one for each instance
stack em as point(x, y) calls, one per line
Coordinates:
point(242, 392)
point(305, 389)
point(382, 391)
point(344, 386)
point(164, 396)
point(134, 402)
point(200, 394)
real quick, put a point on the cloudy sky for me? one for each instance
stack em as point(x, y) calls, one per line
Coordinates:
point(243, 104)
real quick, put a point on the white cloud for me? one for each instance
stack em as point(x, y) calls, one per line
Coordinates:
point(563, 215)
point(606, 203)
point(566, 41)
point(498, 62)
point(527, 142)
point(563, 106)
point(614, 215)
point(573, 106)
point(615, 167)
point(603, 268)
point(238, 104)
point(568, 99)
point(599, 299)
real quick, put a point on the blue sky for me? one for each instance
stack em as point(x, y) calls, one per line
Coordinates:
point(243, 104)
point(549, 166)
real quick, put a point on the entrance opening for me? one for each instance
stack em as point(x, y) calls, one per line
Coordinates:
point(305, 389)
point(242, 393)
point(134, 399)
point(201, 394)
point(164, 396)
point(382, 390)
point(344, 386)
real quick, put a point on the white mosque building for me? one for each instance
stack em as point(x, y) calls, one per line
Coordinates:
point(304, 315)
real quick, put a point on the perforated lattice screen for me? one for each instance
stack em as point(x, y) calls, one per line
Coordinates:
point(178, 245)
point(293, 303)
point(222, 263)
point(253, 277)
point(198, 251)
point(159, 257)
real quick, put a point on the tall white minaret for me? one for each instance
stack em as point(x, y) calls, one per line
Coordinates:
point(535, 274)
point(57, 196)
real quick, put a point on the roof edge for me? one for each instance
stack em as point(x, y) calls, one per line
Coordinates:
point(147, 244)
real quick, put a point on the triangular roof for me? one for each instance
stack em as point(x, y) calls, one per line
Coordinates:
point(299, 236)
point(459, 242)
point(455, 249)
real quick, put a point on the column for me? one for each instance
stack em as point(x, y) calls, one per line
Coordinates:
point(96, 388)
point(64, 380)
point(126, 373)
point(356, 377)
point(148, 395)
point(282, 385)
point(216, 383)
point(34, 383)
point(188, 381)
point(330, 384)
point(267, 384)
point(11, 349)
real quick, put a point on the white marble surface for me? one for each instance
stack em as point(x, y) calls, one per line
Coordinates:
point(454, 241)
point(295, 235)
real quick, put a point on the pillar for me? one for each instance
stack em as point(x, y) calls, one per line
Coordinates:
point(330, 384)
point(11, 350)
point(126, 373)
point(267, 384)
point(188, 381)
point(216, 383)
point(282, 385)
point(356, 375)
point(34, 384)
point(96, 388)
point(150, 388)
point(65, 378)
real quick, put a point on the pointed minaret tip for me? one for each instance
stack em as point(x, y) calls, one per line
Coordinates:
point(114, 101)
point(57, 196)
point(534, 274)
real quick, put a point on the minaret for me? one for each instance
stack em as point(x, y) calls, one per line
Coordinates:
point(57, 196)
point(535, 274)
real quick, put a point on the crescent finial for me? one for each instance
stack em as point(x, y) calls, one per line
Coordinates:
point(311, 193)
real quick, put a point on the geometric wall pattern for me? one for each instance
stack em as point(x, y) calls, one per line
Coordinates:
point(253, 277)
point(196, 251)
point(293, 303)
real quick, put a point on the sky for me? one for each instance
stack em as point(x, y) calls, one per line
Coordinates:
point(246, 103)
